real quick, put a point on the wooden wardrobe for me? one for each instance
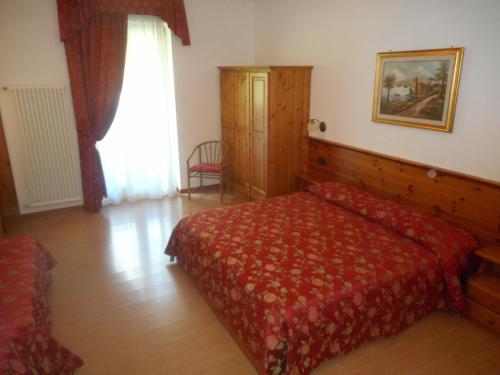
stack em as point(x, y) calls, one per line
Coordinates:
point(264, 115)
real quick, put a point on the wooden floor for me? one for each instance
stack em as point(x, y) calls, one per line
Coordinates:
point(119, 304)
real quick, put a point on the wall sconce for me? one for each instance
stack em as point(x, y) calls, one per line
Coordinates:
point(315, 124)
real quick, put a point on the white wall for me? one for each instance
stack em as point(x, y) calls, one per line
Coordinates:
point(341, 39)
point(222, 33)
point(30, 54)
point(29, 43)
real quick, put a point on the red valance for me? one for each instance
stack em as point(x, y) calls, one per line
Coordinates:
point(74, 14)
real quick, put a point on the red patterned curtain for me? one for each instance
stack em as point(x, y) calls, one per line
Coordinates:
point(96, 61)
point(94, 33)
point(74, 14)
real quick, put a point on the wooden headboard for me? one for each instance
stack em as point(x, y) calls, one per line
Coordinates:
point(469, 202)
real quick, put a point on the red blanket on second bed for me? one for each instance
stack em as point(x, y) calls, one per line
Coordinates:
point(26, 345)
point(303, 278)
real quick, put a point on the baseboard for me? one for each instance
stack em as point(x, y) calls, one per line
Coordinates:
point(204, 188)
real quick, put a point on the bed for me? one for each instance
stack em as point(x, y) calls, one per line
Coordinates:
point(26, 345)
point(306, 277)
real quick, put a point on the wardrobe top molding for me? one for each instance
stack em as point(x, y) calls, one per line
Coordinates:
point(263, 68)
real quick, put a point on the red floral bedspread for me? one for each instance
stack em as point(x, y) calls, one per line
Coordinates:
point(26, 346)
point(301, 279)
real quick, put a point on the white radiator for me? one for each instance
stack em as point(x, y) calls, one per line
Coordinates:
point(49, 145)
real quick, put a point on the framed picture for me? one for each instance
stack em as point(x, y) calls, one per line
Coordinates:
point(417, 88)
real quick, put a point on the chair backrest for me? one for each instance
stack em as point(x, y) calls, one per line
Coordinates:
point(213, 152)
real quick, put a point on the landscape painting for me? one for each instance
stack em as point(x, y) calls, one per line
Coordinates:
point(417, 88)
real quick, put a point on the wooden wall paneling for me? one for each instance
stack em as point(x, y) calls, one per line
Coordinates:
point(8, 196)
point(464, 200)
point(258, 133)
point(348, 166)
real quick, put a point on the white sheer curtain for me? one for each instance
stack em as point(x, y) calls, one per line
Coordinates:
point(140, 152)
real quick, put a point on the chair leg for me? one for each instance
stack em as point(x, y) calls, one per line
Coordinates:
point(189, 186)
point(221, 183)
point(201, 181)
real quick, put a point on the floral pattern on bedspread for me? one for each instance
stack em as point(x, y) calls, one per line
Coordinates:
point(301, 280)
point(454, 246)
point(26, 346)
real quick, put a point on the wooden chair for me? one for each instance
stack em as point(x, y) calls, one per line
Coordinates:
point(212, 164)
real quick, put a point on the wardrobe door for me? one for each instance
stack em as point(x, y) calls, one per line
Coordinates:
point(241, 130)
point(258, 134)
point(289, 89)
point(228, 106)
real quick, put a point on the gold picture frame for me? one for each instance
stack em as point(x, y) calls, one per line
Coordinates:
point(417, 88)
